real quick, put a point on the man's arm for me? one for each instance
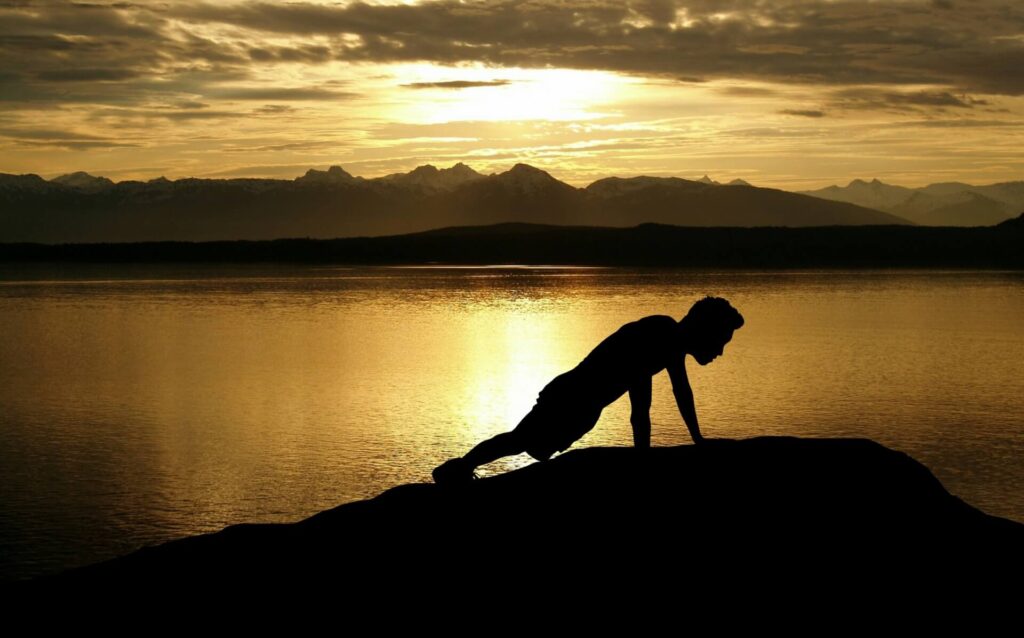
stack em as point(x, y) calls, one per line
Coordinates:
point(684, 398)
point(640, 417)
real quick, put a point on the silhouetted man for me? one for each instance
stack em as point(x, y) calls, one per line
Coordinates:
point(569, 406)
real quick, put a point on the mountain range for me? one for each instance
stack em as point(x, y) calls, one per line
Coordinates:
point(79, 207)
point(944, 204)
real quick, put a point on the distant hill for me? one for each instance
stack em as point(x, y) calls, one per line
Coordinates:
point(623, 202)
point(83, 181)
point(945, 204)
point(333, 203)
point(643, 245)
point(1017, 223)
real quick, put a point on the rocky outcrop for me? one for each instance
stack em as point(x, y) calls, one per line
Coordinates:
point(817, 507)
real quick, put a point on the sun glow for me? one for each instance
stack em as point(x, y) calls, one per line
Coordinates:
point(505, 95)
point(511, 354)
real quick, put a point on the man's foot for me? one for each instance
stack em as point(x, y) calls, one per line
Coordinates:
point(454, 472)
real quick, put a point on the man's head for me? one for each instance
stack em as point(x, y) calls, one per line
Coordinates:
point(708, 327)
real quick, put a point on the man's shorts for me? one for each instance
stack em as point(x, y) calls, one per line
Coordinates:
point(560, 418)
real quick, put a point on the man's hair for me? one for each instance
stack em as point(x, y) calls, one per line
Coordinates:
point(713, 314)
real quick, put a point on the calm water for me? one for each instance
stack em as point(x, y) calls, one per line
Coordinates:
point(143, 404)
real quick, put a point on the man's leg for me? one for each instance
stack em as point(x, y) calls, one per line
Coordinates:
point(494, 448)
point(460, 470)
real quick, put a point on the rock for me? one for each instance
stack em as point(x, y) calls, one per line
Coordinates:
point(819, 507)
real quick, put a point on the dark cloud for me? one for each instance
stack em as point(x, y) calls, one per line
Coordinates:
point(159, 51)
point(182, 84)
point(193, 115)
point(191, 104)
point(869, 98)
point(747, 91)
point(78, 145)
point(137, 170)
point(275, 93)
point(310, 54)
point(47, 134)
point(965, 123)
point(87, 75)
point(803, 112)
point(286, 171)
point(760, 132)
point(48, 46)
point(122, 21)
point(456, 84)
point(659, 12)
point(274, 109)
point(925, 98)
point(28, 44)
point(456, 129)
point(60, 138)
point(845, 42)
point(288, 146)
point(138, 117)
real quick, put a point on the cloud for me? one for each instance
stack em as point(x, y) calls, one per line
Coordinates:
point(765, 132)
point(47, 134)
point(965, 123)
point(277, 93)
point(191, 104)
point(190, 48)
point(288, 146)
point(77, 145)
point(456, 84)
point(279, 171)
point(115, 54)
point(747, 91)
point(136, 171)
point(274, 109)
point(141, 116)
point(190, 79)
point(192, 115)
point(881, 99)
point(307, 53)
point(457, 129)
point(803, 112)
point(87, 75)
point(802, 42)
point(60, 138)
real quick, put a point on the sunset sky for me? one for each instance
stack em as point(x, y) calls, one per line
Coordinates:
point(788, 94)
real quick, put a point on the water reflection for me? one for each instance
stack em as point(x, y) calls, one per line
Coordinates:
point(146, 403)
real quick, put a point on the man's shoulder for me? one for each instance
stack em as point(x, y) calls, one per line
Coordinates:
point(657, 322)
point(654, 326)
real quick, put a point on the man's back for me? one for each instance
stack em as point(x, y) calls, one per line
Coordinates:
point(635, 352)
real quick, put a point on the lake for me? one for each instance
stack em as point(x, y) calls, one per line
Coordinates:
point(143, 403)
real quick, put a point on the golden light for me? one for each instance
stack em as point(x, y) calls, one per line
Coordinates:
point(514, 94)
point(514, 357)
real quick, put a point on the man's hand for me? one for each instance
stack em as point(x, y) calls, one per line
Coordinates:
point(640, 416)
point(684, 399)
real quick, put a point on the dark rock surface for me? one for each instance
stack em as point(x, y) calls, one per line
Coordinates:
point(786, 507)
